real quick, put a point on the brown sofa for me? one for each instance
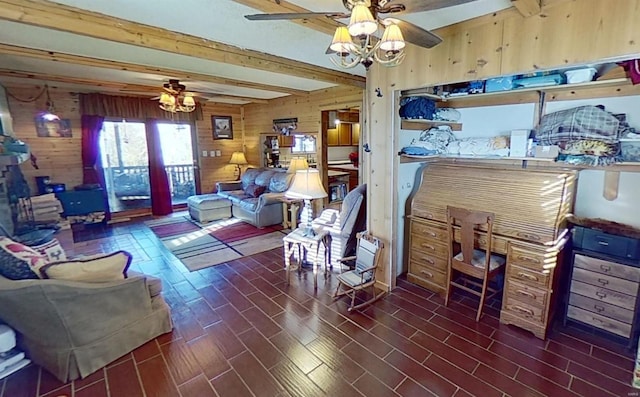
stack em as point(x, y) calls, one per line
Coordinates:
point(261, 211)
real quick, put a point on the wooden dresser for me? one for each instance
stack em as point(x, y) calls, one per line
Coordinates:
point(530, 230)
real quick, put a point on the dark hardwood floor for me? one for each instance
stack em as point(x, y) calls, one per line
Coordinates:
point(240, 331)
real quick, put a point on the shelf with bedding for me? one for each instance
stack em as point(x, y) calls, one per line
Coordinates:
point(423, 124)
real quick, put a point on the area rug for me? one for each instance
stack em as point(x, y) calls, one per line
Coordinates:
point(203, 245)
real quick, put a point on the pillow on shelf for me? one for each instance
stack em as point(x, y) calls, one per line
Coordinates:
point(255, 190)
point(94, 269)
point(18, 261)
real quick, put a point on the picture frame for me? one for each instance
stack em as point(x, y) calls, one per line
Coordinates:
point(222, 127)
point(53, 128)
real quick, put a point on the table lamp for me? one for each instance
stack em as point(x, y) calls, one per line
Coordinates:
point(238, 159)
point(307, 186)
point(297, 163)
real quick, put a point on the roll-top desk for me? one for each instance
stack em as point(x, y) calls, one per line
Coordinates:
point(529, 229)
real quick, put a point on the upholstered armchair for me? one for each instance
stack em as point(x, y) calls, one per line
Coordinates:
point(344, 225)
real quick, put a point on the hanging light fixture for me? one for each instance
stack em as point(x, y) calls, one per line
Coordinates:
point(174, 98)
point(50, 113)
point(357, 44)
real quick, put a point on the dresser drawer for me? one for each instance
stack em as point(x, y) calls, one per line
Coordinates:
point(528, 276)
point(604, 281)
point(605, 267)
point(599, 321)
point(604, 309)
point(429, 260)
point(429, 246)
point(530, 259)
point(428, 273)
point(524, 310)
point(526, 293)
point(603, 294)
point(436, 233)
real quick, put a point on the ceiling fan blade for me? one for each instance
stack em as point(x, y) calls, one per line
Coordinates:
point(296, 15)
point(419, 5)
point(416, 35)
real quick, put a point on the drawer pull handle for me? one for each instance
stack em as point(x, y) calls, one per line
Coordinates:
point(523, 310)
point(432, 234)
point(605, 268)
point(427, 246)
point(526, 293)
point(598, 308)
point(429, 216)
point(428, 260)
point(597, 320)
point(426, 273)
point(527, 276)
point(601, 295)
point(528, 259)
point(603, 243)
point(603, 281)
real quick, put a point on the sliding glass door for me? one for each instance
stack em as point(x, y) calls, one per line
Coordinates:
point(178, 155)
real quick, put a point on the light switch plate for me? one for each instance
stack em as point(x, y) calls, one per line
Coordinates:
point(218, 153)
point(212, 153)
point(204, 153)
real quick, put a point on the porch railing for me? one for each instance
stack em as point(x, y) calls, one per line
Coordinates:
point(133, 181)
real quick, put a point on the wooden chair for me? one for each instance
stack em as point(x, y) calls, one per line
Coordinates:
point(480, 266)
point(364, 275)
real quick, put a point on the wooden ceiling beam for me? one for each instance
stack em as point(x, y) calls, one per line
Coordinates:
point(527, 8)
point(56, 16)
point(8, 49)
point(116, 87)
point(324, 25)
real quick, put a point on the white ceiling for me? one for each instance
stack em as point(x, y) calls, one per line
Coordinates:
point(218, 20)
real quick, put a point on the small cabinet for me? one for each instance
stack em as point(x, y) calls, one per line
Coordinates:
point(332, 137)
point(344, 134)
point(355, 134)
point(286, 140)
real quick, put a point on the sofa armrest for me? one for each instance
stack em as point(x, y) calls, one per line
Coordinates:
point(268, 198)
point(227, 186)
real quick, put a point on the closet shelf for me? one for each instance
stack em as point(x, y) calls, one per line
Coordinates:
point(422, 124)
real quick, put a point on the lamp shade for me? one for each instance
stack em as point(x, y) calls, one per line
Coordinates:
point(361, 21)
point(341, 43)
point(188, 101)
point(297, 163)
point(238, 158)
point(392, 39)
point(306, 185)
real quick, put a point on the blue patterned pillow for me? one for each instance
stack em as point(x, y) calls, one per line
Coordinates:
point(19, 262)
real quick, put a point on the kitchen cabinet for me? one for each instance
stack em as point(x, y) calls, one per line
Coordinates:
point(332, 137)
point(344, 134)
point(286, 140)
point(355, 134)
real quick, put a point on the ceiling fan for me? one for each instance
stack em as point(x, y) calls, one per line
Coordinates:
point(408, 31)
point(176, 98)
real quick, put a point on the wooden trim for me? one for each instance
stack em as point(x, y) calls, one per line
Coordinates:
point(527, 8)
point(55, 16)
point(8, 49)
point(324, 25)
point(110, 86)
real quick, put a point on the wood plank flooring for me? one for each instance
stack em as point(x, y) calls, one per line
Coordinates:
point(240, 331)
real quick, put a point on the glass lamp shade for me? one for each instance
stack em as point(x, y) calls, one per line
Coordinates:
point(361, 21)
point(341, 43)
point(188, 101)
point(306, 185)
point(297, 163)
point(392, 39)
point(167, 99)
point(238, 158)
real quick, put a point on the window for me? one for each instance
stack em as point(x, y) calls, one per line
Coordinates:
point(304, 144)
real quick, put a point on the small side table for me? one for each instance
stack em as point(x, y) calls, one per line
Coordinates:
point(290, 208)
point(306, 245)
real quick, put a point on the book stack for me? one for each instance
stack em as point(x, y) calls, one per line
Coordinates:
point(46, 208)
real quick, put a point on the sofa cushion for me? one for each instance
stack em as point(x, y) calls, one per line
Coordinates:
point(19, 262)
point(264, 178)
point(96, 269)
point(236, 196)
point(280, 182)
point(250, 204)
point(255, 190)
point(249, 176)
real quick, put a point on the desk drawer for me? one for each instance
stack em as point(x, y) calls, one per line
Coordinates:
point(524, 310)
point(528, 276)
point(604, 309)
point(599, 321)
point(435, 233)
point(605, 267)
point(429, 260)
point(603, 295)
point(604, 281)
point(526, 293)
point(530, 259)
point(429, 246)
point(428, 273)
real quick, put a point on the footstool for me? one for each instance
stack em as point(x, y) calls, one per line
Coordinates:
point(208, 207)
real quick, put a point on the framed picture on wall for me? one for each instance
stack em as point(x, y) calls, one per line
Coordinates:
point(222, 127)
point(48, 127)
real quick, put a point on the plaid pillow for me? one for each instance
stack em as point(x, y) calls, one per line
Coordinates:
point(19, 262)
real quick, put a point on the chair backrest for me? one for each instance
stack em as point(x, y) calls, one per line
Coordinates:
point(353, 218)
point(468, 220)
point(367, 255)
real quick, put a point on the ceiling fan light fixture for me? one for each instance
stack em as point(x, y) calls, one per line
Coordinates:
point(362, 22)
point(189, 101)
point(342, 43)
point(392, 39)
point(174, 99)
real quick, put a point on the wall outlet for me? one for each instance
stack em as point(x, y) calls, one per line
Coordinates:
point(204, 153)
point(218, 153)
point(212, 153)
